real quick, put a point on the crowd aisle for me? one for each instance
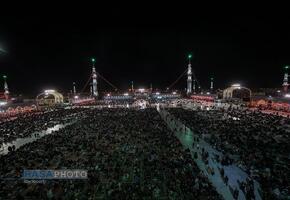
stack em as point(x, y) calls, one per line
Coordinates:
point(258, 143)
point(25, 124)
point(225, 179)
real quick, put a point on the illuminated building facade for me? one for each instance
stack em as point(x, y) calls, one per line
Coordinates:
point(49, 98)
point(236, 91)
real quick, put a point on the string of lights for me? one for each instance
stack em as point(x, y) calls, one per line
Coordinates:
point(171, 85)
point(107, 81)
point(86, 84)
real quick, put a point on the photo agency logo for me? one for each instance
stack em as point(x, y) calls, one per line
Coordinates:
point(54, 174)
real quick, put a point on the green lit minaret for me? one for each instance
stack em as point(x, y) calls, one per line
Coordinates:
point(189, 76)
point(94, 77)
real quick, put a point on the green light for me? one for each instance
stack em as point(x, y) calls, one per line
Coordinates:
point(4, 76)
point(211, 78)
point(93, 60)
point(286, 67)
point(189, 56)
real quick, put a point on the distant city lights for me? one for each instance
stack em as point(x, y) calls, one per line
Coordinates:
point(49, 91)
point(236, 118)
point(287, 95)
point(236, 85)
point(126, 94)
point(3, 103)
point(76, 97)
point(173, 92)
point(141, 90)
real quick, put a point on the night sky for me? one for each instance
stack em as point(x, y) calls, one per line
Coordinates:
point(49, 51)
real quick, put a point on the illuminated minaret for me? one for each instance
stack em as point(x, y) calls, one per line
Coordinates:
point(6, 93)
point(211, 84)
point(285, 80)
point(193, 87)
point(91, 89)
point(132, 86)
point(189, 76)
point(74, 88)
point(94, 77)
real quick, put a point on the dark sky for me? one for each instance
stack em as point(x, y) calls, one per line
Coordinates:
point(51, 51)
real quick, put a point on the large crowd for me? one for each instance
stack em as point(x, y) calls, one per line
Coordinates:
point(23, 125)
point(129, 154)
point(258, 143)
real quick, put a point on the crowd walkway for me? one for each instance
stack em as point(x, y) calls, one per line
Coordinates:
point(213, 169)
point(33, 137)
